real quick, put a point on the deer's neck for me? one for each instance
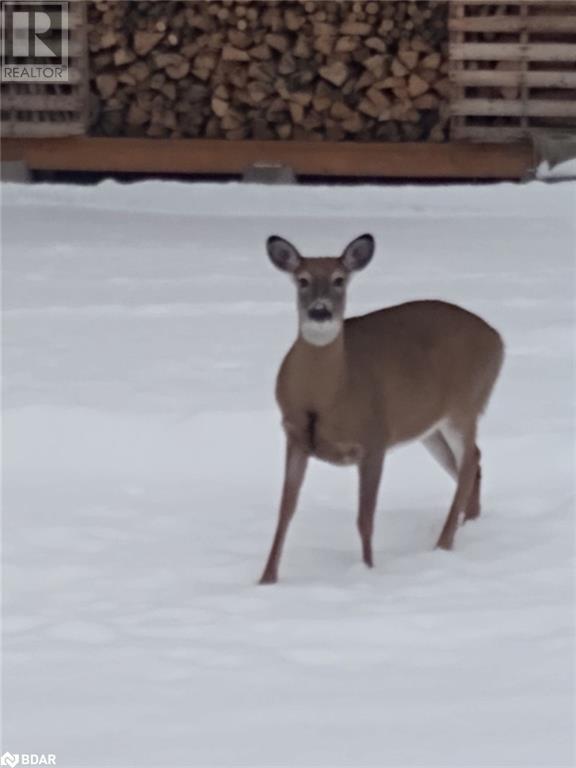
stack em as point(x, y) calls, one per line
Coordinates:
point(322, 370)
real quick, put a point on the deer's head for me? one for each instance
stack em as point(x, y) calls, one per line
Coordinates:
point(321, 284)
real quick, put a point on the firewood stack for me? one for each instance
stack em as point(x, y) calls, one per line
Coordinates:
point(334, 70)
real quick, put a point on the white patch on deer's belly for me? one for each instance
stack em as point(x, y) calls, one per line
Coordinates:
point(451, 434)
point(430, 431)
point(419, 436)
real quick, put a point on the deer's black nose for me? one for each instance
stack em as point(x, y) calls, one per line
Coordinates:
point(319, 312)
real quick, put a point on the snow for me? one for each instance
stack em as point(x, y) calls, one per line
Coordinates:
point(563, 170)
point(143, 327)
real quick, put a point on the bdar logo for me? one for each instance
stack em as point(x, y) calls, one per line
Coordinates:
point(9, 759)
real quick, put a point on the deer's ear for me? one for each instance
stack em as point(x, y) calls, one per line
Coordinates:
point(283, 254)
point(358, 253)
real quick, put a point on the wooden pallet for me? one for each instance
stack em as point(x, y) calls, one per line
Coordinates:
point(43, 110)
point(512, 68)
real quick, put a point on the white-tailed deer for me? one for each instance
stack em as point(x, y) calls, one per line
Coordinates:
point(351, 389)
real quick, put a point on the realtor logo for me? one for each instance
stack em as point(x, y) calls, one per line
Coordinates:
point(35, 40)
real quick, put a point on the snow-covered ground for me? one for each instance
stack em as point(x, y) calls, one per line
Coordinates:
point(143, 327)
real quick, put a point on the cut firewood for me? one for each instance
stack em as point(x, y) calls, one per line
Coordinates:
point(356, 70)
point(219, 106)
point(106, 85)
point(398, 68)
point(123, 56)
point(144, 41)
point(417, 86)
point(230, 53)
point(408, 57)
point(335, 72)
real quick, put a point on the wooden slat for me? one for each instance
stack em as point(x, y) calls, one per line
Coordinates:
point(497, 77)
point(457, 91)
point(489, 133)
point(545, 4)
point(563, 24)
point(214, 157)
point(41, 130)
point(83, 65)
point(513, 52)
point(524, 39)
point(514, 108)
point(48, 102)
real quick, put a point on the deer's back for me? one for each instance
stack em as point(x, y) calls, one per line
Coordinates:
point(421, 361)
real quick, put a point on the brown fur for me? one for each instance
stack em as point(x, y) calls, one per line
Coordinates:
point(389, 377)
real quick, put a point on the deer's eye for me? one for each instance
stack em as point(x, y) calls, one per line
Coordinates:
point(338, 282)
point(303, 282)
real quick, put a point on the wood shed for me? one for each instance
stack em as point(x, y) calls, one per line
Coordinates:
point(390, 88)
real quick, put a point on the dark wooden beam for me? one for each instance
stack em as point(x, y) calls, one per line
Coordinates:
point(452, 160)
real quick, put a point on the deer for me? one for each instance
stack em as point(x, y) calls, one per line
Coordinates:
point(351, 389)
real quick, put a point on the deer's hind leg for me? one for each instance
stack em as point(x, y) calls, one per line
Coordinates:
point(473, 508)
point(439, 448)
point(462, 441)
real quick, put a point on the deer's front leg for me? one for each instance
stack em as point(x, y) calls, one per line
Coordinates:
point(370, 472)
point(296, 461)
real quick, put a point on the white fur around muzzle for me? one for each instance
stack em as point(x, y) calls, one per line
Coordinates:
point(320, 333)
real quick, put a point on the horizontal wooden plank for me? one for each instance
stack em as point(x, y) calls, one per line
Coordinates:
point(513, 52)
point(563, 24)
point(40, 130)
point(544, 4)
point(41, 101)
point(214, 157)
point(513, 108)
point(498, 77)
point(488, 133)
